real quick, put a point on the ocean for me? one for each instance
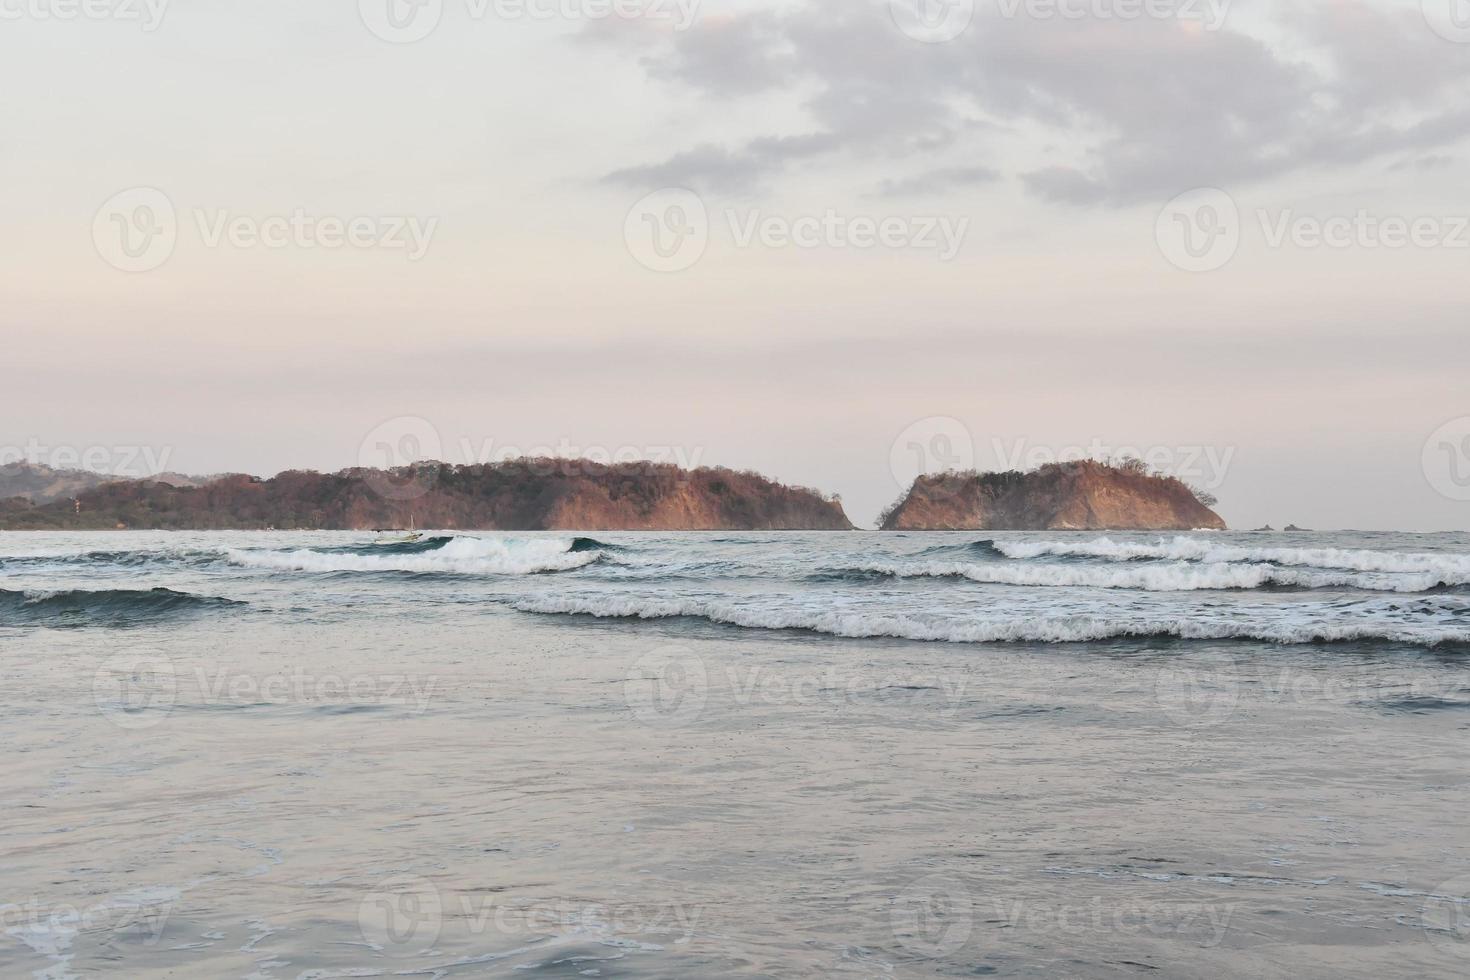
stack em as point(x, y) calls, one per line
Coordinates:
point(302, 755)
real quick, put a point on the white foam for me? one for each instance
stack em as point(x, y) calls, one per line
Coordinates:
point(977, 630)
point(1451, 569)
point(1180, 576)
point(462, 556)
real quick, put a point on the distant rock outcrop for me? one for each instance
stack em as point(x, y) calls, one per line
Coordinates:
point(522, 495)
point(1083, 496)
point(43, 485)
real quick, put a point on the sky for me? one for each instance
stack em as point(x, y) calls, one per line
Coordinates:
point(838, 242)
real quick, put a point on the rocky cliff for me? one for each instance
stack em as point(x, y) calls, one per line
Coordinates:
point(1083, 496)
point(522, 495)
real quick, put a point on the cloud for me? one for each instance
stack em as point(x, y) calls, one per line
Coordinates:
point(710, 167)
point(938, 181)
point(1107, 111)
point(1432, 161)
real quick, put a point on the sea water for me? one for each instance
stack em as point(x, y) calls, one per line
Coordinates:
point(766, 755)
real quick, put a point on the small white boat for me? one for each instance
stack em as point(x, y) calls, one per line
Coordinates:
point(398, 535)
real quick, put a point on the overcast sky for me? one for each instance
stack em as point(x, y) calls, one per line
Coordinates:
point(829, 240)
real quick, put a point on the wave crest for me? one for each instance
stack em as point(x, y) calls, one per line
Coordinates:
point(1072, 629)
point(1448, 569)
point(1180, 576)
point(450, 556)
point(102, 607)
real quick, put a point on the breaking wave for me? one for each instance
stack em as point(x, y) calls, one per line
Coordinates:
point(1448, 569)
point(445, 556)
point(972, 549)
point(104, 607)
point(1180, 576)
point(116, 559)
point(592, 544)
point(396, 548)
point(1072, 629)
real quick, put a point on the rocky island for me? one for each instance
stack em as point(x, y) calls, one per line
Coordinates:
point(520, 495)
point(1081, 496)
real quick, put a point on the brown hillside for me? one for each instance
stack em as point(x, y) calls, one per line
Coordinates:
point(1083, 496)
point(529, 495)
